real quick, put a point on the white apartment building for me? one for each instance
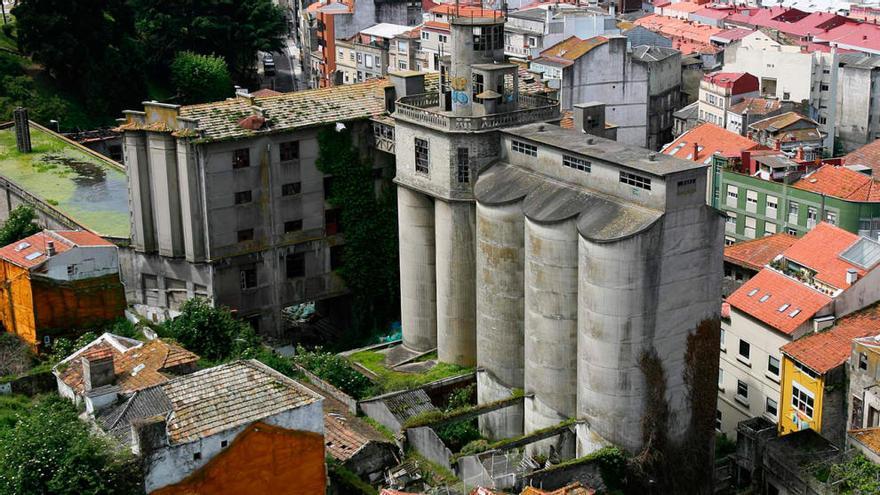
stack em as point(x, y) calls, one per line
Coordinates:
point(825, 275)
point(720, 91)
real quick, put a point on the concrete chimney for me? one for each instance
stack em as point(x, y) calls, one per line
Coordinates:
point(851, 276)
point(696, 151)
point(50, 248)
point(97, 372)
point(589, 118)
point(148, 435)
point(22, 130)
point(407, 83)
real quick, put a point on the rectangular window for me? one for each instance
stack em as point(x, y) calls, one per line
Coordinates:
point(575, 163)
point(863, 361)
point(732, 196)
point(425, 35)
point(336, 255)
point(745, 349)
point(293, 226)
point(442, 38)
point(742, 389)
point(769, 228)
point(720, 378)
point(477, 87)
point(823, 87)
point(463, 166)
point(718, 420)
point(242, 197)
point(772, 407)
point(245, 235)
point(751, 224)
point(723, 336)
point(831, 217)
point(248, 277)
point(422, 163)
point(368, 61)
point(752, 201)
point(773, 365)
point(687, 186)
point(524, 148)
point(296, 265)
point(793, 211)
point(291, 188)
point(802, 399)
point(812, 216)
point(332, 225)
point(241, 158)
point(635, 180)
point(488, 37)
point(289, 150)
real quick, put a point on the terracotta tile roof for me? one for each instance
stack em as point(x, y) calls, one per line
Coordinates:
point(841, 182)
point(678, 29)
point(868, 156)
point(342, 442)
point(758, 253)
point(820, 249)
point(798, 302)
point(738, 82)
point(260, 93)
point(685, 7)
point(575, 488)
point(824, 351)
point(710, 139)
point(756, 106)
point(223, 397)
point(30, 252)
point(573, 47)
point(780, 122)
point(436, 25)
point(137, 364)
point(869, 437)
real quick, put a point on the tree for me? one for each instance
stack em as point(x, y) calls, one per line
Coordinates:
point(232, 30)
point(19, 225)
point(200, 78)
point(15, 355)
point(50, 450)
point(213, 333)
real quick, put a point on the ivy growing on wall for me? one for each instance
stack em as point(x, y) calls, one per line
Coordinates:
point(369, 223)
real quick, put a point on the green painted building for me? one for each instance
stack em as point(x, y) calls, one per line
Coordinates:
point(756, 207)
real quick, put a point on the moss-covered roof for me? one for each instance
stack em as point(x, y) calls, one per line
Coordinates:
point(89, 189)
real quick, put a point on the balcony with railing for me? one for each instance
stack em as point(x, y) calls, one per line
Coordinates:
point(425, 109)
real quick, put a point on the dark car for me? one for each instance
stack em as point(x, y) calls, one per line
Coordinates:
point(268, 65)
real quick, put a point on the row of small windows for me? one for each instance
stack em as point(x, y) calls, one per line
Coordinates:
point(575, 163)
point(294, 267)
point(287, 151)
point(772, 206)
point(289, 189)
point(524, 148)
point(331, 226)
point(462, 161)
point(635, 180)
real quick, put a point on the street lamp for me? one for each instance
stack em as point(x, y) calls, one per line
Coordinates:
point(54, 122)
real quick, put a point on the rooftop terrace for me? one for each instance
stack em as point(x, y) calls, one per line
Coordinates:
point(425, 109)
point(86, 188)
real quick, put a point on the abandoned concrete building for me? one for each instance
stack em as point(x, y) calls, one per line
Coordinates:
point(555, 261)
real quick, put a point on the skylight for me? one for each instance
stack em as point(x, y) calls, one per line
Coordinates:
point(752, 292)
point(33, 256)
point(764, 298)
point(794, 313)
point(22, 245)
point(783, 307)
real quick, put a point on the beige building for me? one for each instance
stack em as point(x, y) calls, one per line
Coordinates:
point(720, 91)
point(366, 55)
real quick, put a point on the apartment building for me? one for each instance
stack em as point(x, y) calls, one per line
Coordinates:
point(719, 91)
point(366, 55)
point(743, 114)
point(404, 50)
point(530, 31)
point(790, 132)
point(227, 202)
point(858, 100)
point(863, 394)
point(822, 277)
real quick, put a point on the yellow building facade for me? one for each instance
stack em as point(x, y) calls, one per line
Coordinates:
point(801, 397)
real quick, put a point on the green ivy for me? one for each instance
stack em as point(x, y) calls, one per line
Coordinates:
point(370, 260)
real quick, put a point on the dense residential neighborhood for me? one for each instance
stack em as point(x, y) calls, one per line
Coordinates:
point(407, 247)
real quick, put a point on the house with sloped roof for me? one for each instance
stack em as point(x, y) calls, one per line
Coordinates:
point(58, 283)
point(822, 277)
point(743, 260)
point(240, 427)
point(790, 132)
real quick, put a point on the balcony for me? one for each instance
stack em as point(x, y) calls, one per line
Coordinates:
point(424, 109)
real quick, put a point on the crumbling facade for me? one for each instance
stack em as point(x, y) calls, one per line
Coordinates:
point(557, 262)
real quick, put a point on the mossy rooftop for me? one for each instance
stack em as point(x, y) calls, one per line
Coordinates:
point(89, 190)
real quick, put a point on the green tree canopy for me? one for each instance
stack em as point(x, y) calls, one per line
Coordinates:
point(49, 450)
point(232, 30)
point(19, 225)
point(213, 333)
point(200, 78)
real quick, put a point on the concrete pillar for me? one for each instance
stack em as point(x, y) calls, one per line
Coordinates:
point(500, 231)
point(192, 214)
point(456, 285)
point(140, 191)
point(418, 290)
point(551, 307)
point(162, 151)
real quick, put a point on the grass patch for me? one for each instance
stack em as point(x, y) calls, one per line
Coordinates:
point(382, 429)
point(11, 406)
point(392, 381)
point(433, 473)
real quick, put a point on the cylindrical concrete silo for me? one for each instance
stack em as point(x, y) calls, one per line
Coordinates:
point(616, 310)
point(418, 290)
point(456, 285)
point(500, 233)
point(551, 310)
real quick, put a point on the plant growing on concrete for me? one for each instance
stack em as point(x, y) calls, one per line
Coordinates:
point(200, 78)
point(49, 450)
point(20, 224)
point(335, 370)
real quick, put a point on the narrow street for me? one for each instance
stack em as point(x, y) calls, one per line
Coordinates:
point(288, 72)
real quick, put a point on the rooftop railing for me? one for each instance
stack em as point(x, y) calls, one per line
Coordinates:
point(425, 109)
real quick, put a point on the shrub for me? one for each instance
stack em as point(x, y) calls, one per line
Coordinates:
point(200, 78)
point(213, 333)
point(19, 225)
point(15, 355)
point(334, 369)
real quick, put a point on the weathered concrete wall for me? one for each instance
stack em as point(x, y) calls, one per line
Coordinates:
point(418, 289)
point(504, 423)
point(379, 412)
point(551, 297)
point(456, 286)
point(426, 442)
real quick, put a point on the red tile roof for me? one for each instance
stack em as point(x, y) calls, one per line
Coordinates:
point(732, 34)
point(756, 106)
point(868, 156)
point(820, 249)
point(710, 139)
point(573, 47)
point(30, 252)
point(758, 253)
point(797, 302)
point(678, 29)
point(737, 82)
point(436, 25)
point(841, 182)
point(822, 352)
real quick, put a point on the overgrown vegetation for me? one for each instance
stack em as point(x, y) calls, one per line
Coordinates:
point(389, 380)
point(49, 450)
point(457, 434)
point(15, 355)
point(346, 481)
point(335, 370)
point(20, 224)
point(13, 407)
point(369, 262)
point(200, 78)
point(857, 475)
point(212, 333)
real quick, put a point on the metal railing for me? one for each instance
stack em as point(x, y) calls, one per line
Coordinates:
point(424, 109)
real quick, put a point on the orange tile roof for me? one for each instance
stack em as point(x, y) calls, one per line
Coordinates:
point(30, 252)
point(797, 301)
point(265, 92)
point(824, 351)
point(868, 156)
point(678, 28)
point(757, 253)
point(781, 121)
point(820, 250)
point(710, 139)
point(151, 359)
point(573, 48)
point(686, 7)
point(575, 488)
point(869, 437)
point(841, 182)
point(756, 106)
point(442, 26)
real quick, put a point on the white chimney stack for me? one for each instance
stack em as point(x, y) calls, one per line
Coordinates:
point(851, 276)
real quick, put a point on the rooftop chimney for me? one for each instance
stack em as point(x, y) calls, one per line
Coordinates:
point(851, 276)
point(97, 372)
point(148, 435)
point(696, 151)
point(50, 248)
point(22, 130)
point(589, 118)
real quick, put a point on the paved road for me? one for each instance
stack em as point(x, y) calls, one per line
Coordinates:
point(288, 73)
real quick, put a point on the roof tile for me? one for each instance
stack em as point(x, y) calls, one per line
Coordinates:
point(822, 352)
point(758, 253)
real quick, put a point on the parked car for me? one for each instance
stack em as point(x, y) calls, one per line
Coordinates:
point(268, 65)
